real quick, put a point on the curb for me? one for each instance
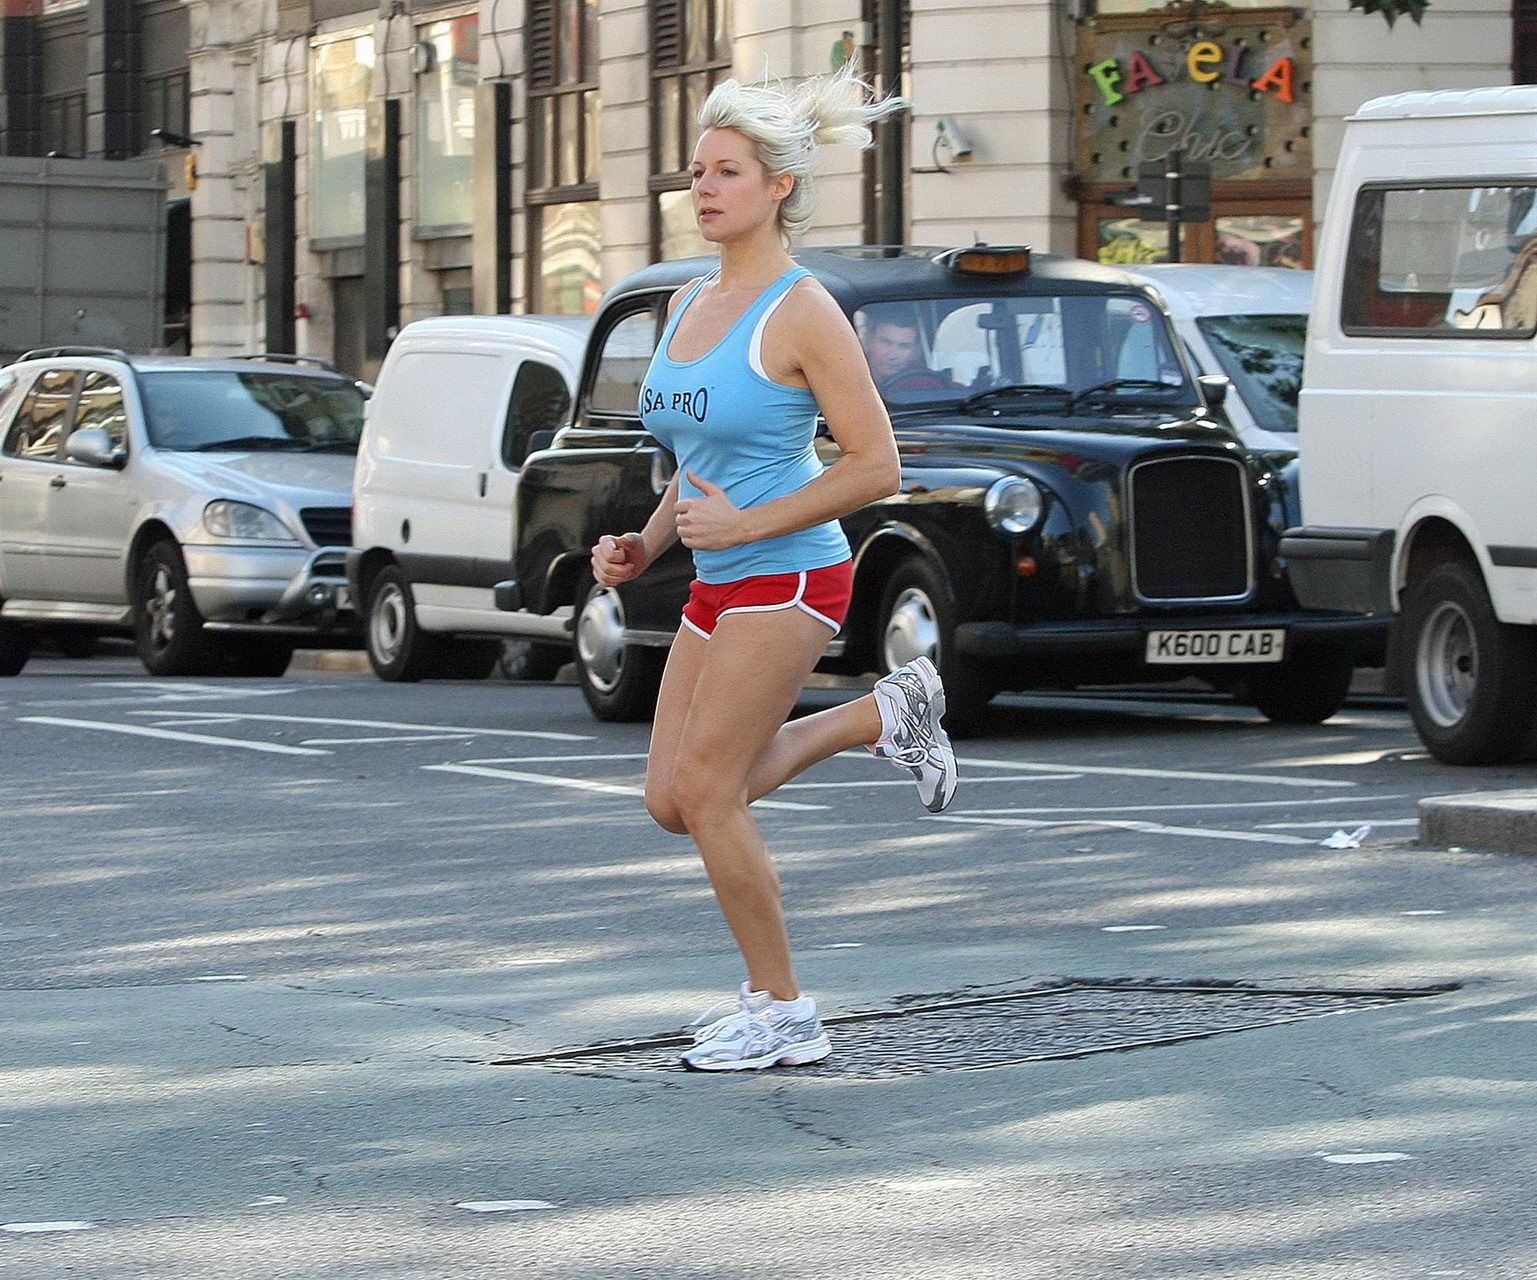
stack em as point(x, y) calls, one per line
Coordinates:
point(349, 660)
point(1503, 821)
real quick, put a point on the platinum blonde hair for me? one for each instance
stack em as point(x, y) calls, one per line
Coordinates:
point(790, 126)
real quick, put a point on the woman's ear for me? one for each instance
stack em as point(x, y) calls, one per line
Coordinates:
point(781, 187)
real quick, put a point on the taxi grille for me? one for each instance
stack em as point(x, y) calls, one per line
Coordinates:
point(1190, 529)
point(328, 526)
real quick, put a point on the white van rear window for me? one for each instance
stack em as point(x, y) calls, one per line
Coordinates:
point(1443, 261)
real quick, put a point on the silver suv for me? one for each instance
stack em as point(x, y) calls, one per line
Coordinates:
point(203, 504)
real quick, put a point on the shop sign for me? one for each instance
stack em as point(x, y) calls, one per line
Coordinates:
point(1235, 94)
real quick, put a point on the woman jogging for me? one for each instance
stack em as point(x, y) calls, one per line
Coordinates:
point(749, 356)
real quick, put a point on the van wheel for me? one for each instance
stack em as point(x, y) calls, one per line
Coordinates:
point(532, 660)
point(398, 649)
point(1307, 688)
point(1472, 682)
point(167, 627)
point(620, 681)
point(15, 647)
point(917, 619)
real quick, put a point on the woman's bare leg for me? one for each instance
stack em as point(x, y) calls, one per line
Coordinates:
point(754, 668)
point(799, 744)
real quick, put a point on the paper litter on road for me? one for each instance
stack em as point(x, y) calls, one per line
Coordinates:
point(1343, 839)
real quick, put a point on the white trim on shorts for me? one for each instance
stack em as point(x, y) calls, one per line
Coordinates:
point(795, 603)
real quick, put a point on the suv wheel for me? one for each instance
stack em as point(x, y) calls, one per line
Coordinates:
point(917, 619)
point(398, 649)
point(620, 681)
point(1472, 682)
point(1306, 688)
point(167, 627)
point(15, 647)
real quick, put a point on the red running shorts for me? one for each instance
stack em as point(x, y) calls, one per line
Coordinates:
point(823, 593)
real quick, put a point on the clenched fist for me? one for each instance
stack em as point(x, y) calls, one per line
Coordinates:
point(711, 522)
point(616, 560)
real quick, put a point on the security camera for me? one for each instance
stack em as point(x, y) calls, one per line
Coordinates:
point(952, 138)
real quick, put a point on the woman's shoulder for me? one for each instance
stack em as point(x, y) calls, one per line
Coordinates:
point(679, 294)
point(808, 300)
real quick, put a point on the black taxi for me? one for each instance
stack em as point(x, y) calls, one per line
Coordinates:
point(1072, 511)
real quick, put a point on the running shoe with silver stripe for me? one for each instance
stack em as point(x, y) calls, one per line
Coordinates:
point(759, 1038)
point(912, 703)
point(745, 1001)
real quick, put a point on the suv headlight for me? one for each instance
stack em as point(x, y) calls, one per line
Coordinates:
point(1014, 505)
point(225, 519)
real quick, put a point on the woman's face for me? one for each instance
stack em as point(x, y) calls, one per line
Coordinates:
point(733, 194)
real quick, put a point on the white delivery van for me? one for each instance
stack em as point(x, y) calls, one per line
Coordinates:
point(460, 403)
point(1418, 413)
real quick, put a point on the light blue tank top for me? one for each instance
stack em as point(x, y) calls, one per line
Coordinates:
point(729, 423)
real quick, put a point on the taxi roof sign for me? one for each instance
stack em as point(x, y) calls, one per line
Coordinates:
point(987, 259)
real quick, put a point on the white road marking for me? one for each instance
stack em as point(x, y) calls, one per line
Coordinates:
point(611, 755)
point(24, 1228)
point(1368, 1157)
point(262, 1202)
point(221, 977)
point(403, 737)
point(907, 782)
point(1329, 826)
point(1422, 913)
point(1133, 928)
point(838, 946)
point(1187, 775)
point(1214, 804)
point(145, 731)
point(1126, 824)
point(202, 720)
point(584, 784)
point(548, 735)
point(503, 1206)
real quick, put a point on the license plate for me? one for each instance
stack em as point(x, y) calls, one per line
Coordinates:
point(1201, 647)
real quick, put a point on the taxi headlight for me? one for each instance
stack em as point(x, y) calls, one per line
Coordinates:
point(225, 519)
point(1014, 505)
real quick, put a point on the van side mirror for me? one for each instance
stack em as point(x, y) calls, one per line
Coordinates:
point(1214, 388)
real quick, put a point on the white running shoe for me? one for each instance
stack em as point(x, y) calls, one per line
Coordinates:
point(745, 1001)
point(912, 702)
point(757, 1038)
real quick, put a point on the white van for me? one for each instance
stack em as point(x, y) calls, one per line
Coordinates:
point(1418, 414)
point(460, 402)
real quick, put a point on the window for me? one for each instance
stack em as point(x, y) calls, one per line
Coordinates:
point(164, 105)
point(344, 71)
point(563, 153)
point(1444, 261)
point(64, 125)
point(1262, 354)
point(627, 350)
point(101, 406)
point(203, 410)
point(445, 124)
point(690, 53)
point(39, 426)
point(540, 402)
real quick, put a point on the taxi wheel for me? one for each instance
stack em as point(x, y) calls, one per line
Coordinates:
point(167, 627)
point(620, 681)
point(917, 619)
point(1307, 688)
point(1472, 679)
point(15, 647)
point(398, 649)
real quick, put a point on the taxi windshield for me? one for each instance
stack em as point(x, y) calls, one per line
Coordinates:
point(1052, 350)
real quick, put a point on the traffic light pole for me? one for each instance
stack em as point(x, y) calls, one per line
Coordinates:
point(1173, 209)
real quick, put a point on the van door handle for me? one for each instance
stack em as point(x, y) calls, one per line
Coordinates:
point(482, 484)
point(58, 482)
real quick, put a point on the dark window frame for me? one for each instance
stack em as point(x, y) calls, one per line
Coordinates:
point(155, 112)
point(1356, 282)
point(516, 434)
point(547, 94)
point(671, 75)
point(7, 446)
point(63, 124)
point(656, 305)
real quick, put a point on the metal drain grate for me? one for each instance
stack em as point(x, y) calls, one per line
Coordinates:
point(975, 1033)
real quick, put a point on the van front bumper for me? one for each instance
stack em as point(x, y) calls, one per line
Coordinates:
point(271, 588)
point(1339, 568)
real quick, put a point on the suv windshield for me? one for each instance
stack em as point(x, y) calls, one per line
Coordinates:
point(1263, 356)
point(288, 412)
point(934, 350)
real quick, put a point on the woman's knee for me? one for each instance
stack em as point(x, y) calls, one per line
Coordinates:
point(664, 810)
point(700, 794)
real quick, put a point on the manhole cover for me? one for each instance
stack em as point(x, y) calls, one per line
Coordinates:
point(974, 1033)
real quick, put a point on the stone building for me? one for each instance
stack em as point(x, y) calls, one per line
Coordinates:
point(360, 166)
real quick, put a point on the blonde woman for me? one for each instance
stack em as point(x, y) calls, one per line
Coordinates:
point(760, 514)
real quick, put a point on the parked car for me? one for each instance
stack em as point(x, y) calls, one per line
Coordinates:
point(460, 404)
point(1418, 407)
point(203, 504)
point(1070, 512)
point(1248, 323)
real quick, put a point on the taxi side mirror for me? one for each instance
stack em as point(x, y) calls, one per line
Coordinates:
point(1214, 388)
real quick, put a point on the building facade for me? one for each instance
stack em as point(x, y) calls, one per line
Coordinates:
point(361, 166)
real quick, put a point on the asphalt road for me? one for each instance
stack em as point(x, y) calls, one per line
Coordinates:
point(262, 942)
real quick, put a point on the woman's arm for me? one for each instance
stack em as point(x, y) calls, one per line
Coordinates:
point(818, 340)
